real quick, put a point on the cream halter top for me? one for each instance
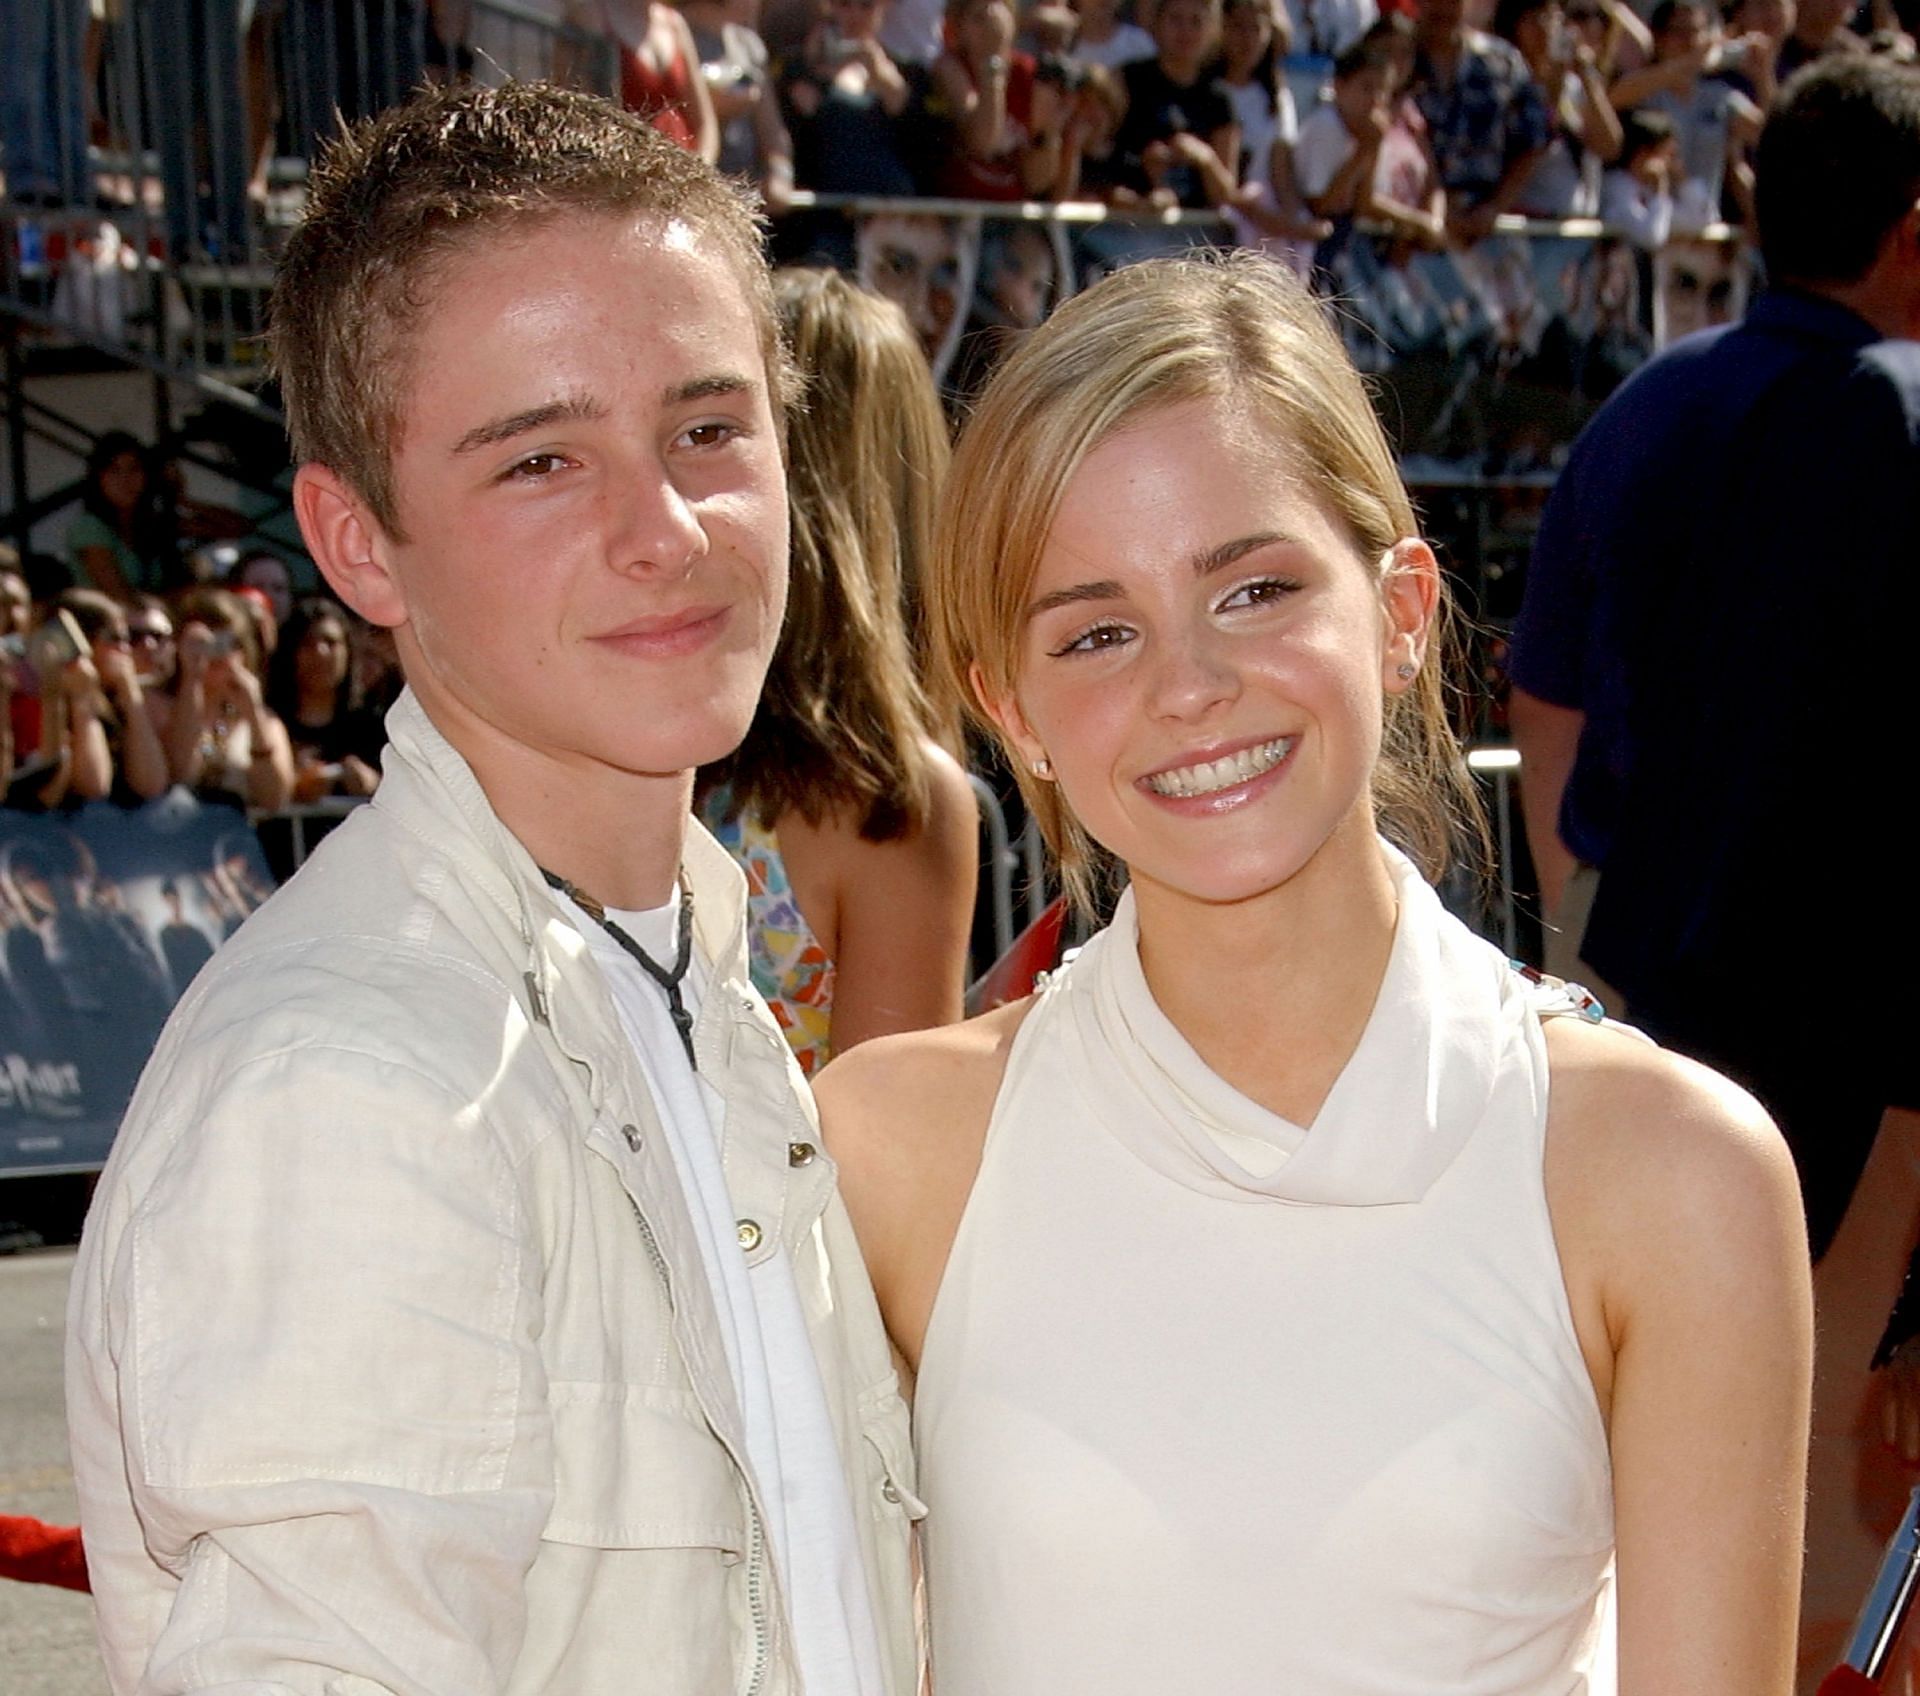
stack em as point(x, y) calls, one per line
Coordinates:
point(1214, 1405)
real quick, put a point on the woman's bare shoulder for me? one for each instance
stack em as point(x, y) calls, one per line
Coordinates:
point(1660, 1164)
point(904, 1092)
point(905, 1117)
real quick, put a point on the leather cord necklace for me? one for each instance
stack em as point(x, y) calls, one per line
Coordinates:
point(668, 980)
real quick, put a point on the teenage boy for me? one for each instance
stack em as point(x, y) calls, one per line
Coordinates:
point(466, 1306)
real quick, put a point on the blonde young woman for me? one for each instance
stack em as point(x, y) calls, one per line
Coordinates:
point(1276, 1327)
point(857, 830)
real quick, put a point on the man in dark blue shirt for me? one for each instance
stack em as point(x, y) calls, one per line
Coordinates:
point(1712, 667)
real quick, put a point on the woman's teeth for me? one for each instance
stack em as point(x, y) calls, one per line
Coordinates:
point(1212, 775)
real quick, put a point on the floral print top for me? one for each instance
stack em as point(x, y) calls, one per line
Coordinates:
point(784, 958)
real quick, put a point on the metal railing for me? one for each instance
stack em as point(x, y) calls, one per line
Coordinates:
point(158, 243)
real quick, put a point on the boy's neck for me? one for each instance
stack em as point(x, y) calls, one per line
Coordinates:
point(614, 834)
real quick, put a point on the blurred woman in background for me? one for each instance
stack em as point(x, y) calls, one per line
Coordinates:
point(121, 540)
point(118, 705)
point(312, 685)
point(659, 70)
point(222, 738)
point(857, 828)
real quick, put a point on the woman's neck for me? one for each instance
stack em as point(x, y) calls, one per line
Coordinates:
point(1274, 992)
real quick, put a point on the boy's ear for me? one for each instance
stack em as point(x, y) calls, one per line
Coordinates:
point(347, 544)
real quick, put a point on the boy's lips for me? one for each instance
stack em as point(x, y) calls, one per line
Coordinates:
point(664, 635)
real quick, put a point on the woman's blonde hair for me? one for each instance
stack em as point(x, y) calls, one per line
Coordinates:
point(843, 721)
point(1234, 327)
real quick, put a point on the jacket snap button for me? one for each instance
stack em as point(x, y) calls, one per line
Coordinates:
point(800, 1153)
point(749, 1235)
point(632, 1134)
point(890, 1491)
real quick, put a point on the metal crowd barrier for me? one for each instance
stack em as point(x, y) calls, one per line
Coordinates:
point(158, 243)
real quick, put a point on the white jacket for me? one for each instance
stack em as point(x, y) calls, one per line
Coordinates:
point(392, 1364)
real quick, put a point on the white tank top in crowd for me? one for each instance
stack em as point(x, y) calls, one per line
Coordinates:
point(1212, 1403)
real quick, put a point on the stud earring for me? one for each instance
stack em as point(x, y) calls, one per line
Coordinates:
point(1403, 672)
point(1043, 767)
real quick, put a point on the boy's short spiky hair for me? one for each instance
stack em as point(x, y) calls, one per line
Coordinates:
point(395, 198)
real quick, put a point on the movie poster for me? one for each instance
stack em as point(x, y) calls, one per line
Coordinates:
point(106, 914)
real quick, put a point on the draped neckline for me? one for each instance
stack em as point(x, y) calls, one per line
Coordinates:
point(1401, 1109)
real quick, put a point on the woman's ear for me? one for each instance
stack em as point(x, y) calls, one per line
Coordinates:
point(348, 544)
point(1005, 712)
point(1409, 599)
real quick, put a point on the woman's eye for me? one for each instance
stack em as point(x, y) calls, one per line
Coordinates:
point(1262, 591)
point(1094, 640)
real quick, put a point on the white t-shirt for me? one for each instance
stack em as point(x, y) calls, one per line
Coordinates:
point(1702, 121)
point(1262, 123)
point(790, 1437)
point(1323, 146)
point(1128, 44)
point(1565, 180)
point(1627, 204)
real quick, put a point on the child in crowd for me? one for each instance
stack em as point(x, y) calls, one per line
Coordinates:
point(1636, 196)
point(1005, 126)
point(1180, 140)
point(1364, 153)
point(1714, 124)
point(1268, 212)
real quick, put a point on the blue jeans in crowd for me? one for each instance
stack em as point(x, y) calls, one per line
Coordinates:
point(198, 124)
point(43, 104)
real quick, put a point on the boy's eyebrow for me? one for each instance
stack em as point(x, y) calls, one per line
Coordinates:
point(584, 408)
point(719, 386)
point(568, 410)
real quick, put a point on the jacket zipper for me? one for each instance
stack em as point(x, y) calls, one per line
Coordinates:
point(756, 1532)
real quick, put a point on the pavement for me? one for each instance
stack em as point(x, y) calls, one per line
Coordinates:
point(46, 1636)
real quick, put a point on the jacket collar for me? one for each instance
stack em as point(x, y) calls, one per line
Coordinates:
point(428, 788)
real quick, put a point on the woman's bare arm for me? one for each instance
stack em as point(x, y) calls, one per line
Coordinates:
point(906, 1172)
point(1678, 1215)
point(896, 916)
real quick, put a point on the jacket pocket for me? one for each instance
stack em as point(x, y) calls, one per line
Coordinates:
point(637, 1467)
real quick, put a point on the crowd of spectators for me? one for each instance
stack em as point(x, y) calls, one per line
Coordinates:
point(1454, 111)
point(1518, 106)
point(147, 658)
